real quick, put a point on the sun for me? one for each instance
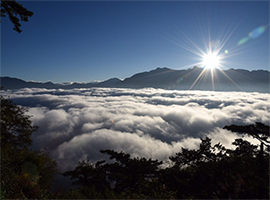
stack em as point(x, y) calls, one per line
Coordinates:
point(211, 60)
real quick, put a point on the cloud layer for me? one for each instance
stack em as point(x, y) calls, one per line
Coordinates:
point(76, 124)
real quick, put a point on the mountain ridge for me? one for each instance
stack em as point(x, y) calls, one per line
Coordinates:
point(195, 78)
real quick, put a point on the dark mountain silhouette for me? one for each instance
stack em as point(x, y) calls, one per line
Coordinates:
point(15, 83)
point(202, 79)
point(195, 79)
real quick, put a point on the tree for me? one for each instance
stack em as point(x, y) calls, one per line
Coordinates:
point(132, 175)
point(258, 130)
point(193, 172)
point(217, 172)
point(126, 177)
point(211, 171)
point(24, 173)
point(261, 132)
point(16, 126)
point(12, 9)
point(195, 157)
point(92, 180)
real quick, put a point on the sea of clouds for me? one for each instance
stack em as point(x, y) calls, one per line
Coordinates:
point(154, 123)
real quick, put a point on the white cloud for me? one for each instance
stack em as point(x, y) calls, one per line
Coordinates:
point(76, 124)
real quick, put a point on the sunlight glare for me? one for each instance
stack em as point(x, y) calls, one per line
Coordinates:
point(213, 56)
point(211, 60)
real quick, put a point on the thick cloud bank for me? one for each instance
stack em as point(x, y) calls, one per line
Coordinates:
point(76, 124)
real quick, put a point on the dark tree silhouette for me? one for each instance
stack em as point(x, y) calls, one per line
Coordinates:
point(259, 131)
point(91, 178)
point(195, 157)
point(131, 175)
point(217, 172)
point(126, 177)
point(13, 9)
point(24, 173)
point(209, 172)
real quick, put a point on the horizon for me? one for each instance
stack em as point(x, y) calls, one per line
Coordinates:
point(98, 81)
point(132, 37)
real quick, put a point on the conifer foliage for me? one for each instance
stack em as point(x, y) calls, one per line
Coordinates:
point(13, 9)
point(24, 173)
point(211, 171)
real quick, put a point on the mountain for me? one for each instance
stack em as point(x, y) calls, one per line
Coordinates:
point(195, 78)
point(202, 79)
point(15, 83)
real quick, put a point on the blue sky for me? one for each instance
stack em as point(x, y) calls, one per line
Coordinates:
point(86, 41)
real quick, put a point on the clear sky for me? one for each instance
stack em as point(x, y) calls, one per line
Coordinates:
point(86, 40)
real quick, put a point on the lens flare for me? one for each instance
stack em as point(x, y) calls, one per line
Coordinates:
point(226, 51)
point(243, 40)
point(257, 32)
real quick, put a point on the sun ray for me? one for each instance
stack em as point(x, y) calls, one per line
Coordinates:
point(225, 38)
point(231, 80)
point(213, 57)
point(212, 79)
point(197, 79)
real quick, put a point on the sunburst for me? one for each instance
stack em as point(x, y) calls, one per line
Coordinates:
point(212, 58)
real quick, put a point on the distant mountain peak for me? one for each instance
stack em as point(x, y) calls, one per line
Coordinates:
point(162, 68)
point(185, 79)
point(196, 67)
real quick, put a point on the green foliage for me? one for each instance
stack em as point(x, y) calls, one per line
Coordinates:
point(24, 173)
point(13, 8)
point(16, 126)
